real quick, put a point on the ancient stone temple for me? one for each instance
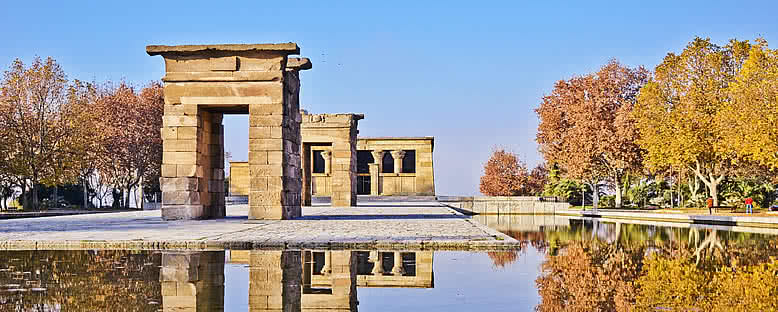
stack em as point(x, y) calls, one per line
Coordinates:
point(329, 157)
point(395, 166)
point(203, 82)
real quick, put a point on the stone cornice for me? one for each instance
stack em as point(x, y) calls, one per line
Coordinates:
point(287, 48)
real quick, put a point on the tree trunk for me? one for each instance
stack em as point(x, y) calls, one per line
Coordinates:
point(618, 195)
point(714, 192)
point(595, 195)
point(86, 194)
point(140, 191)
point(127, 198)
point(117, 197)
point(627, 184)
point(35, 196)
point(23, 199)
point(56, 197)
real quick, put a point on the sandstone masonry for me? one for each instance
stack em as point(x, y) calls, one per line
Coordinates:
point(202, 82)
point(330, 141)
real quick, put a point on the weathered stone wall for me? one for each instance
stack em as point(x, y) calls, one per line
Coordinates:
point(505, 204)
point(201, 83)
point(420, 183)
point(275, 280)
point(338, 275)
point(522, 222)
point(336, 135)
point(192, 281)
point(239, 178)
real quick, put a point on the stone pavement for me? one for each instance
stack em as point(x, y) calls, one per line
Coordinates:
point(385, 225)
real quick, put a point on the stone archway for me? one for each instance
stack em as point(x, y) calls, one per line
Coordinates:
point(335, 136)
point(203, 82)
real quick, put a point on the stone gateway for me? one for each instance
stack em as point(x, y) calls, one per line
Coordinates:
point(203, 82)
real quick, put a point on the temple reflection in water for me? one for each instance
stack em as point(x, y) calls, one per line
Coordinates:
point(327, 280)
point(279, 280)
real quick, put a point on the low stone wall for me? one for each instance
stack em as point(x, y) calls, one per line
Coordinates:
point(746, 221)
point(505, 204)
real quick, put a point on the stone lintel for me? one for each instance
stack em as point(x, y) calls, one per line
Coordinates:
point(285, 48)
point(324, 119)
point(397, 138)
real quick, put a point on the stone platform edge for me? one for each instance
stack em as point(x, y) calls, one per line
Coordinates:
point(763, 222)
point(527, 205)
point(500, 244)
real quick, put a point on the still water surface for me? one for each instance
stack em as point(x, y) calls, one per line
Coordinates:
point(565, 265)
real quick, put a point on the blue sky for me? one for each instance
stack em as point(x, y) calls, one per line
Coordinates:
point(468, 73)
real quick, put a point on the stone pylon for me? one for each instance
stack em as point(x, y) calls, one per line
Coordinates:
point(335, 135)
point(203, 82)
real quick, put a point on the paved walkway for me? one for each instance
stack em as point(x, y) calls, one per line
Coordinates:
point(395, 225)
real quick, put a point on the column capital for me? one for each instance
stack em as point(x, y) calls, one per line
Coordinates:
point(377, 156)
point(325, 153)
point(397, 155)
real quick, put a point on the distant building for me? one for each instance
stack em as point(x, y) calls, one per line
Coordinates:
point(395, 166)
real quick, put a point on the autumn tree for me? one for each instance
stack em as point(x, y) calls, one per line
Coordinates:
point(537, 179)
point(750, 120)
point(504, 175)
point(86, 143)
point(132, 142)
point(36, 126)
point(586, 127)
point(677, 110)
point(588, 276)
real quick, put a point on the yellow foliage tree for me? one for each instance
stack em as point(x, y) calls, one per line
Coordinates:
point(677, 110)
point(751, 118)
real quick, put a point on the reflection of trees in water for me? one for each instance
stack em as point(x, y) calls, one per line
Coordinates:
point(637, 267)
point(79, 281)
point(535, 240)
point(588, 277)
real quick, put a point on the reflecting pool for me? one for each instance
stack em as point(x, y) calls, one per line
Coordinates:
point(562, 265)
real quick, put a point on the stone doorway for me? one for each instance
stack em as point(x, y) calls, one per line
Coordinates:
point(203, 82)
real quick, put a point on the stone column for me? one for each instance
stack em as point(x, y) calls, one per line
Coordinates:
point(398, 269)
point(375, 172)
point(192, 281)
point(398, 160)
point(374, 179)
point(327, 268)
point(378, 263)
point(275, 279)
point(327, 155)
point(305, 160)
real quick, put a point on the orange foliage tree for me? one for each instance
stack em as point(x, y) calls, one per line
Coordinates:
point(38, 125)
point(505, 175)
point(586, 128)
point(589, 277)
point(132, 146)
